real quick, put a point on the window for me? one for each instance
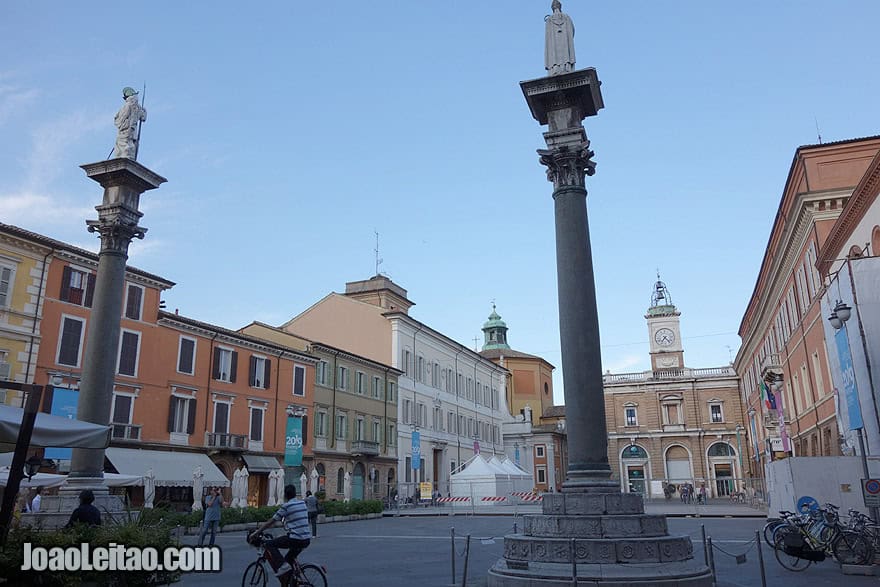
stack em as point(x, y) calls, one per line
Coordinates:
point(360, 384)
point(408, 467)
point(435, 379)
point(542, 474)
point(321, 424)
point(321, 373)
point(819, 379)
point(341, 432)
point(129, 346)
point(438, 419)
point(340, 481)
point(407, 363)
point(70, 341)
point(299, 380)
point(77, 286)
point(182, 415)
point(420, 373)
point(539, 451)
point(256, 434)
point(123, 405)
point(359, 428)
point(450, 423)
point(391, 435)
point(377, 387)
point(377, 431)
point(134, 302)
point(671, 411)
point(186, 355)
point(631, 419)
point(423, 415)
point(721, 449)
point(391, 391)
point(6, 274)
point(221, 417)
point(715, 414)
point(407, 410)
point(225, 364)
point(259, 372)
point(634, 451)
point(342, 378)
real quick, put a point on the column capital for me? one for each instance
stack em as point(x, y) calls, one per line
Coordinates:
point(568, 165)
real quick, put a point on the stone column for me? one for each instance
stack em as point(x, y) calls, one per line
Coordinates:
point(123, 180)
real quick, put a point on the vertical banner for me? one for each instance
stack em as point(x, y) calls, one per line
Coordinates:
point(476, 447)
point(755, 437)
point(781, 415)
point(850, 390)
point(293, 442)
point(64, 404)
point(416, 450)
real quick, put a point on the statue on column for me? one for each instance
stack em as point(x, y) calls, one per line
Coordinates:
point(559, 41)
point(128, 121)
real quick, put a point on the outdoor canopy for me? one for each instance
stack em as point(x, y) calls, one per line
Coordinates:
point(170, 468)
point(53, 431)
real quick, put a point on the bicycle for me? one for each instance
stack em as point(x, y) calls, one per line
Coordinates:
point(303, 575)
point(807, 538)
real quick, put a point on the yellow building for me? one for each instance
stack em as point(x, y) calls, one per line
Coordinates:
point(24, 263)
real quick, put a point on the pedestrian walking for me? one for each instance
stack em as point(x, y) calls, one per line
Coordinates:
point(312, 507)
point(213, 503)
point(37, 500)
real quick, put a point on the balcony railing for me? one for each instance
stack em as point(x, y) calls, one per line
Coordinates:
point(225, 440)
point(669, 374)
point(771, 363)
point(126, 432)
point(364, 447)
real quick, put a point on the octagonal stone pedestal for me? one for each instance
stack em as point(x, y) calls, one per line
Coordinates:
point(606, 537)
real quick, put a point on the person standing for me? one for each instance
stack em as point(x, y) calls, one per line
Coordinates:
point(37, 500)
point(212, 515)
point(312, 507)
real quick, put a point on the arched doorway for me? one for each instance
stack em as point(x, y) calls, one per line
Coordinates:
point(322, 477)
point(634, 469)
point(357, 482)
point(722, 467)
point(678, 465)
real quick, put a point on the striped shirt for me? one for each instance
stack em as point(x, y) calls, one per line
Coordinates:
point(296, 519)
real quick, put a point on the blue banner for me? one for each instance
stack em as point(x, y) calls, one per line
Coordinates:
point(850, 390)
point(64, 404)
point(293, 442)
point(416, 450)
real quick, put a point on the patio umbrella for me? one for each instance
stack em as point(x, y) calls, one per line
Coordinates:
point(236, 488)
point(54, 431)
point(243, 488)
point(273, 488)
point(347, 486)
point(314, 483)
point(149, 488)
point(303, 482)
point(279, 497)
point(198, 486)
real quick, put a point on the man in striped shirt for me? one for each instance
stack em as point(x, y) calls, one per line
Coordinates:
point(295, 517)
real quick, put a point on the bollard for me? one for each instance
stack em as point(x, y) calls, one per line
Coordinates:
point(467, 553)
point(761, 558)
point(574, 565)
point(453, 556)
point(705, 552)
point(711, 559)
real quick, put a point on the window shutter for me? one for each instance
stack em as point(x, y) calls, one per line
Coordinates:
point(64, 295)
point(191, 420)
point(90, 290)
point(216, 369)
point(305, 429)
point(252, 371)
point(266, 376)
point(234, 368)
point(171, 414)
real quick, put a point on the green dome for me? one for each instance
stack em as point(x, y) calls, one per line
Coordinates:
point(494, 321)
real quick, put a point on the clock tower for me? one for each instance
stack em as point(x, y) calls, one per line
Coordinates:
point(664, 330)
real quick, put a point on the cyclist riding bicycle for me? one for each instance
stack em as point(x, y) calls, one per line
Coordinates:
point(295, 517)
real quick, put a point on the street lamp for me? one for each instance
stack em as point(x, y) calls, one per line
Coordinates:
point(739, 429)
point(32, 466)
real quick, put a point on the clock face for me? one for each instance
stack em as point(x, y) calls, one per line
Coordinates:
point(664, 337)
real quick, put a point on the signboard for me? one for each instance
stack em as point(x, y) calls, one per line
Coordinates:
point(293, 442)
point(871, 492)
point(416, 450)
point(64, 404)
point(425, 491)
point(776, 445)
point(850, 389)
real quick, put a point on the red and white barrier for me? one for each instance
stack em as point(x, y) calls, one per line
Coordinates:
point(452, 499)
point(526, 496)
point(494, 499)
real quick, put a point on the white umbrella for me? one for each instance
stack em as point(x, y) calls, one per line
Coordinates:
point(314, 483)
point(236, 476)
point(303, 482)
point(347, 486)
point(149, 488)
point(198, 485)
point(279, 496)
point(273, 488)
point(243, 489)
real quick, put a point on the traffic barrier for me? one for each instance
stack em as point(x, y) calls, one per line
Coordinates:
point(527, 496)
point(452, 499)
point(494, 499)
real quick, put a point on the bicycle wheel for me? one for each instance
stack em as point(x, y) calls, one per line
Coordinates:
point(790, 562)
point(311, 576)
point(851, 548)
point(769, 528)
point(254, 575)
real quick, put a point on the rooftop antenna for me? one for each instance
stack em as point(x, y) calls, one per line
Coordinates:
point(376, 250)
point(818, 133)
point(729, 353)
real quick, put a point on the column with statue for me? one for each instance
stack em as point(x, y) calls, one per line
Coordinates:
point(590, 533)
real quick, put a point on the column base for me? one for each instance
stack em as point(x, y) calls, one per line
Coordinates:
point(55, 510)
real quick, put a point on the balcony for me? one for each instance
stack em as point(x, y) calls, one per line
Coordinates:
point(771, 364)
point(365, 448)
point(226, 441)
point(126, 432)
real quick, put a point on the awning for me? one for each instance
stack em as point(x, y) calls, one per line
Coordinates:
point(6, 459)
point(170, 468)
point(54, 431)
point(261, 464)
point(52, 480)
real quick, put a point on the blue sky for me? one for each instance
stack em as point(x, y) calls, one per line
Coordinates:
point(290, 131)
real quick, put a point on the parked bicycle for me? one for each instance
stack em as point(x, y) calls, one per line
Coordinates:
point(802, 539)
point(303, 575)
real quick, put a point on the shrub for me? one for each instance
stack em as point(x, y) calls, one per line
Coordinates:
point(357, 507)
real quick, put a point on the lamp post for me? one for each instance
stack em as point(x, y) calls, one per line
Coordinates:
point(739, 429)
point(838, 318)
